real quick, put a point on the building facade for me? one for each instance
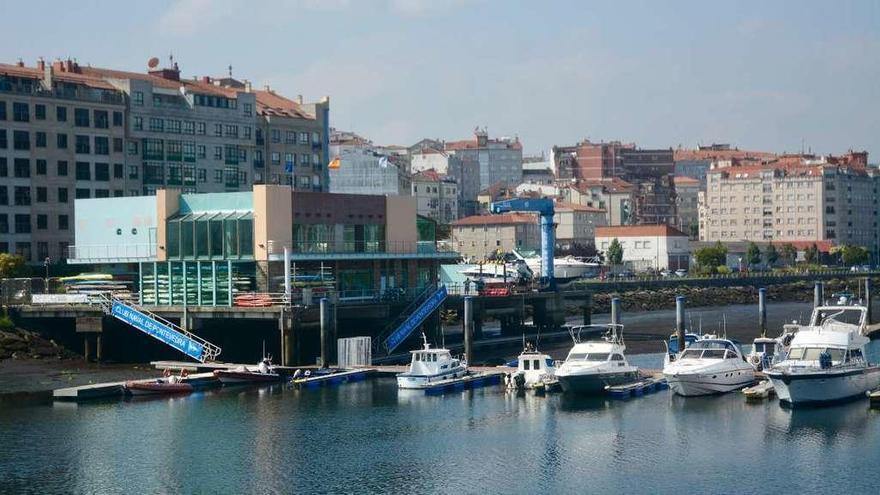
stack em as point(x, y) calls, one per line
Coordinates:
point(497, 160)
point(479, 237)
point(647, 247)
point(436, 196)
point(576, 224)
point(687, 192)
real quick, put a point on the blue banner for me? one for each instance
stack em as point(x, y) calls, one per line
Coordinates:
point(415, 319)
point(157, 330)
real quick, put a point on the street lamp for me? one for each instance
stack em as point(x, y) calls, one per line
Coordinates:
point(46, 281)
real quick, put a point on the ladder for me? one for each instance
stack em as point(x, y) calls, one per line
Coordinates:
point(160, 329)
point(417, 312)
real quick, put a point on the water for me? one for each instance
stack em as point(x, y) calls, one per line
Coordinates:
point(368, 437)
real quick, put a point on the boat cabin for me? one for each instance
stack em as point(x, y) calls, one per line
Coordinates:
point(711, 349)
point(689, 338)
point(596, 352)
point(534, 362)
point(431, 361)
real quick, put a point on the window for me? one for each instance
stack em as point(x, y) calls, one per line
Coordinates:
point(21, 140)
point(61, 114)
point(40, 111)
point(117, 119)
point(22, 224)
point(22, 195)
point(276, 136)
point(62, 195)
point(133, 148)
point(42, 195)
point(231, 131)
point(248, 109)
point(102, 193)
point(203, 175)
point(189, 127)
point(23, 249)
point(200, 151)
point(20, 112)
point(61, 168)
point(102, 172)
point(41, 167)
point(4, 226)
point(118, 193)
point(81, 117)
point(304, 159)
point(154, 149)
point(101, 120)
point(157, 101)
point(218, 152)
point(247, 132)
point(117, 145)
point(3, 141)
point(303, 138)
point(102, 145)
point(83, 171)
point(82, 145)
point(4, 195)
point(40, 139)
point(22, 168)
point(61, 141)
point(276, 158)
point(2, 110)
point(200, 128)
point(173, 126)
point(157, 124)
point(42, 222)
point(138, 98)
point(138, 123)
point(132, 171)
point(218, 176)
point(218, 130)
point(117, 171)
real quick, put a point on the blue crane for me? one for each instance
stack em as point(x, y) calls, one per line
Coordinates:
point(544, 208)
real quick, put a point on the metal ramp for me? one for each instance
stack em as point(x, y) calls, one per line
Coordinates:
point(160, 329)
point(416, 313)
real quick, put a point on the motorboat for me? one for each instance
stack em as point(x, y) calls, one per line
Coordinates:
point(167, 385)
point(672, 344)
point(497, 272)
point(565, 268)
point(534, 370)
point(768, 350)
point(593, 365)
point(711, 365)
point(826, 361)
point(429, 366)
point(263, 372)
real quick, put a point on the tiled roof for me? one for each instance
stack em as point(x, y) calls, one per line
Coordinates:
point(504, 219)
point(192, 85)
point(709, 154)
point(427, 175)
point(562, 205)
point(70, 77)
point(639, 231)
point(681, 180)
point(271, 103)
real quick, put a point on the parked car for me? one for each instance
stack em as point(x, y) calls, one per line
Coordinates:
point(681, 272)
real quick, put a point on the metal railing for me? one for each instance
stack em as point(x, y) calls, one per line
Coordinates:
point(359, 247)
point(112, 251)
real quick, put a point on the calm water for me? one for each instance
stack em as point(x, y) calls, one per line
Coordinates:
point(368, 437)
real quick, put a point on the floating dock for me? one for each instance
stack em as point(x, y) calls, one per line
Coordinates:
point(332, 379)
point(637, 389)
point(199, 381)
point(476, 380)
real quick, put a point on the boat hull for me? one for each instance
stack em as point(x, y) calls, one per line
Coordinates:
point(157, 388)
point(594, 383)
point(230, 377)
point(413, 382)
point(694, 384)
point(823, 387)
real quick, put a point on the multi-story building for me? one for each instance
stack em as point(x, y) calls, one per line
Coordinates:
point(695, 163)
point(498, 160)
point(363, 168)
point(792, 198)
point(687, 190)
point(657, 247)
point(465, 173)
point(614, 195)
point(480, 236)
point(436, 195)
point(576, 224)
point(61, 137)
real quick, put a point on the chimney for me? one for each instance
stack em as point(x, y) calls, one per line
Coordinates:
point(20, 63)
point(206, 79)
point(57, 65)
point(299, 98)
point(247, 86)
point(41, 64)
point(48, 75)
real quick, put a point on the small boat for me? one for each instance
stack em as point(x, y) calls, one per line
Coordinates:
point(243, 374)
point(826, 362)
point(768, 350)
point(534, 370)
point(711, 365)
point(166, 385)
point(593, 365)
point(429, 366)
point(761, 391)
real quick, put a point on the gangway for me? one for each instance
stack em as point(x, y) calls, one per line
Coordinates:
point(160, 329)
point(416, 313)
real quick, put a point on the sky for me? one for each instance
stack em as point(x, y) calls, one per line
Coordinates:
point(776, 76)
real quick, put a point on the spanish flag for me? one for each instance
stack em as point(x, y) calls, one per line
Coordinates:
point(334, 163)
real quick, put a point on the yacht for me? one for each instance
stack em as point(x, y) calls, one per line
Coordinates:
point(711, 365)
point(534, 369)
point(768, 350)
point(565, 269)
point(429, 366)
point(595, 364)
point(826, 361)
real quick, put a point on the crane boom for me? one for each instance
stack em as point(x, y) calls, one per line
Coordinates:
point(544, 208)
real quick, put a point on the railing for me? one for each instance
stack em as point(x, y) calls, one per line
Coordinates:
point(93, 95)
point(404, 315)
point(112, 251)
point(365, 247)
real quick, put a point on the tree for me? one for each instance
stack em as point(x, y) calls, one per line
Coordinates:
point(12, 266)
point(615, 252)
point(854, 255)
point(812, 254)
point(753, 255)
point(789, 253)
point(771, 254)
point(711, 257)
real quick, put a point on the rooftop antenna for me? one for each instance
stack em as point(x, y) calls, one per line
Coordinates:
point(230, 70)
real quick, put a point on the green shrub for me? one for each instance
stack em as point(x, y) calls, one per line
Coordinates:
point(6, 322)
point(723, 270)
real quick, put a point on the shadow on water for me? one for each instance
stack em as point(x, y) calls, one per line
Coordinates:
point(849, 420)
point(580, 403)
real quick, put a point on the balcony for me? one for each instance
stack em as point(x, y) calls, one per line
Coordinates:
point(111, 253)
point(339, 250)
point(80, 93)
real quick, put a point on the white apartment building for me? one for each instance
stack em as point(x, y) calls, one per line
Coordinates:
point(576, 224)
point(436, 196)
point(658, 247)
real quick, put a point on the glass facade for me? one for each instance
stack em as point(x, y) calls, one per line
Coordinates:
point(324, 238)
point(211, 236)
point(205, 283)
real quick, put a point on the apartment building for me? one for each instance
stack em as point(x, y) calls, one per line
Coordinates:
point(657, 247)
point(687, 191)
point(576, 224)
point(792, 198)
point(498, 159)
point(363, 168)
point(466, 173)
point(61, 137)
point(478, 237)
point(436, 195)
point(615, 196)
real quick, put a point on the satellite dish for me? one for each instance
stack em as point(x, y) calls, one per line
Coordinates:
point(153, 62)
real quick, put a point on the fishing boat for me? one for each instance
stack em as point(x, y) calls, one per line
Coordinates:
point(826, 362)
point(429, 366)
point(534, 370)
point(263, 372)
point(593, 365)
point(711, 365)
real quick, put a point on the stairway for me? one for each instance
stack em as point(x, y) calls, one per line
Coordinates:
point(160, 329)
point(416, 313)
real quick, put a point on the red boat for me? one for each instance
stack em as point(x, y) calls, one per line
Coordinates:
point(157, 387)
point(242, 374)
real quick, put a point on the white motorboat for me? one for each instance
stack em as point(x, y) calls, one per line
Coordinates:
point(565, 269)
point(497, 272)
point(711, 365)
point(769, 350)
point(826, 361)
point(534, 369)
point(429, 366)
point(595, 364)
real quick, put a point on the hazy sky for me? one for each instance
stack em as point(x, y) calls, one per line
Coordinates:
point(760, 75)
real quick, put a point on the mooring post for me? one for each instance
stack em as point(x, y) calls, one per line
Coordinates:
point(588, 309)
point(325, 331)
point(99, 348)
point(679, 322)
point(818, 294)
point(762, 311)
point(284, 328)
point(86, 351)
point(615, 311)
point(868, 300)
point(468, 328)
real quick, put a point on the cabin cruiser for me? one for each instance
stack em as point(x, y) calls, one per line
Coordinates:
point(595, 364)
point(429, 366)
point(534, 370)
point(565, 269)
point(826, 361)
point(711, 365)
point(768, 350)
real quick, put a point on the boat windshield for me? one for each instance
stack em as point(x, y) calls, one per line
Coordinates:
point(588, 356)
point(691, 353)
point(812, 353)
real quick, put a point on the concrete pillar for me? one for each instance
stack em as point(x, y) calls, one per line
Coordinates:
point(287, 273)
point(868, 299)
point(325, 331)
point(818, 294)
point(615, 310)
point(679, 321)
point(286, 346)
point(87, 353)
point(468, 328)
point(762, 311)
point(99, 347)
point(588, 310)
